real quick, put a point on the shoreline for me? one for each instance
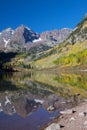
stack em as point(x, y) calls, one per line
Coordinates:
point(70, 119)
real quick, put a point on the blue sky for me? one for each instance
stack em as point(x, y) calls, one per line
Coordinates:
point(41, 15)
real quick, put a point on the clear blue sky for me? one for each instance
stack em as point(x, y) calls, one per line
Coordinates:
point(41, 15)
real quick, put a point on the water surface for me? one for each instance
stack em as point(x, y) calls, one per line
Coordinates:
point(26, 97)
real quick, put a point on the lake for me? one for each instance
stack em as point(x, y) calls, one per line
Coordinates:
point(25, 98)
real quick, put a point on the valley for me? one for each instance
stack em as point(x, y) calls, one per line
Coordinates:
point(39, 55)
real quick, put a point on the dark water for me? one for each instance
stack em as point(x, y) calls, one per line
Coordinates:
point(26, 97)
point(31, 122)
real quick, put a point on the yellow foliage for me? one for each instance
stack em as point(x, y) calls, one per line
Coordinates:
point(84, 26)
point(66, 51)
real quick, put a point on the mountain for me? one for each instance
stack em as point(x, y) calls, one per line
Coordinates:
point(54, 37)
point(23, 38)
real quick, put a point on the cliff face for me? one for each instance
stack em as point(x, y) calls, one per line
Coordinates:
point(54, 37)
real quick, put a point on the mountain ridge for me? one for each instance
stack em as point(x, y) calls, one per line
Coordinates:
point(24, 37)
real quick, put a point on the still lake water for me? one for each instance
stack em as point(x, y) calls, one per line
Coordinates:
point(26, 97)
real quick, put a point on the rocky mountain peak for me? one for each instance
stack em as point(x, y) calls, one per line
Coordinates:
point(8, 31)
point(24, 26)
point(22, 35)
point(55, 36)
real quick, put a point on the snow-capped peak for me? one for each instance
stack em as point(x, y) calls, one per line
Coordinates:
point(28, 28)
point(8, 29)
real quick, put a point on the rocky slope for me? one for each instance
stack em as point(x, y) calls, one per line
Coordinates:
point(79, 33)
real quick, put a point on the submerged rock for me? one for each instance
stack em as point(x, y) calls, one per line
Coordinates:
point(51, 108)
point(7, 101)
point(39, 101)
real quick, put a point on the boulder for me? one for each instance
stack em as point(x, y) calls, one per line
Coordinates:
point(53, 126)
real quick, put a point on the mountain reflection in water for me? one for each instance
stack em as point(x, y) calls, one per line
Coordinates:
point(32, 122)
point(25, 97)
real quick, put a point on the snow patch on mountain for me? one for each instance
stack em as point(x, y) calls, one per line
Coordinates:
point(8, 29)
point(74, 29)
point(12, 32)
point(6, 41)
point(28, 28)
point(37, 40)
